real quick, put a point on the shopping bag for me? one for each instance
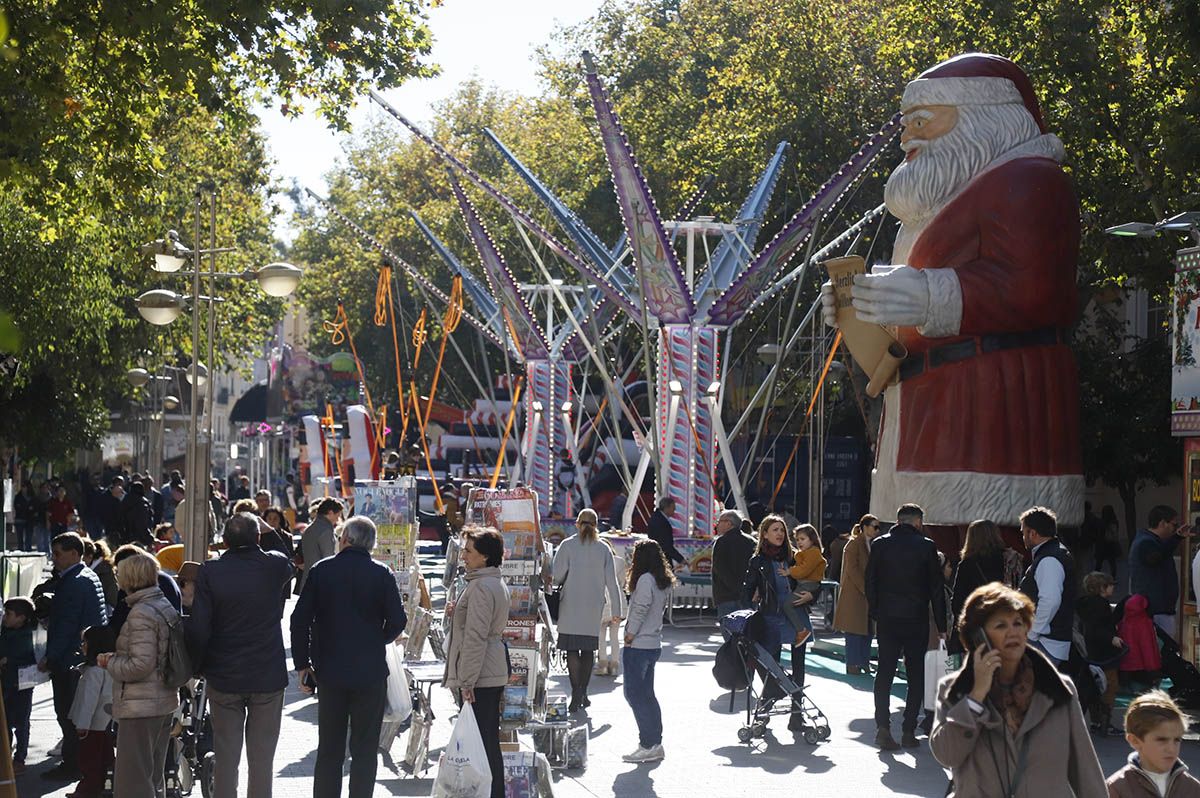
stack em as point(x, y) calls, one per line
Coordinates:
point(463, 770)
point(936, 666)
point(399, 699)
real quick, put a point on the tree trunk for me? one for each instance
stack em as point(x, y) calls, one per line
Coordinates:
point(1128, 492)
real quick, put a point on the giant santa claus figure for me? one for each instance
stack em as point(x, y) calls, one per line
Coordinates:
point(984, 419)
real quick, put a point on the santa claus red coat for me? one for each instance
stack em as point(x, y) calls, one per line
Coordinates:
point(996, 432)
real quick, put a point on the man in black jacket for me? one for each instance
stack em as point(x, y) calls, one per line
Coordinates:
point(659, 529)
point(903, 579)
point(732, 550)
point(236, 639)
point(349, 611)
point(137, 517)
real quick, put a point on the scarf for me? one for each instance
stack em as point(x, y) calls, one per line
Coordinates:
point(1012, 700)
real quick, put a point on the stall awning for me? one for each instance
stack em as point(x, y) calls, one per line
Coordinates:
point(251, 406)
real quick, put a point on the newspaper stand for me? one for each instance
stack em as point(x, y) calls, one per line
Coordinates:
point(514, 513)
point(392, 505)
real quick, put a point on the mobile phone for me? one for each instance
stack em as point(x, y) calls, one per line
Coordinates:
point(978, 638)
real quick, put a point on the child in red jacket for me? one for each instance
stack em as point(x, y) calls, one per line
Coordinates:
point(1144, 661)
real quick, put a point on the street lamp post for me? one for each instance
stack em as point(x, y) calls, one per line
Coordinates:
point(163, 307)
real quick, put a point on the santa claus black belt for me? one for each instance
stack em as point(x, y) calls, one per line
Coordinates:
point(918, 363)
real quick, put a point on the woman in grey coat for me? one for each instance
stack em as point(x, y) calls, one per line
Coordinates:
point(142, 702)
point(583, 568)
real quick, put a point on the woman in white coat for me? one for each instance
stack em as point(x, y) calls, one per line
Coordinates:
point(583, 568)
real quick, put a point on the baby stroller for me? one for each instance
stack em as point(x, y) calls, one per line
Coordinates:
point(737, 661)
point(190, 757)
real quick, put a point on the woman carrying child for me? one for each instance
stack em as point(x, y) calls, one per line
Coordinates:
point(769, 588)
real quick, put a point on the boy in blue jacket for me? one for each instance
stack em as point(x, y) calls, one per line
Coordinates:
point(16, 652)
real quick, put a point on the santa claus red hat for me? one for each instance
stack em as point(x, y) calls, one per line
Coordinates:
point(973, 79)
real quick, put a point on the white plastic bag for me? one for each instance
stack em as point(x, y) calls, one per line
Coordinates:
point(936, 666)
point(463, 770)
point(399, 699)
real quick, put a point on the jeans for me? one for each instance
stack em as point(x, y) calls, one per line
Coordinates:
point(254, 718)
point(776, 630)
point(18, 706)
point(858, 650)
point(639, 693)
point(40, 539)
point(24, 536)
point(360, 710)
point(64, 683)
point(896, 638)
point(487, 708)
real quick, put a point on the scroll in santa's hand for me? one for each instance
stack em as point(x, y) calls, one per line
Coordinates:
point(873, 347)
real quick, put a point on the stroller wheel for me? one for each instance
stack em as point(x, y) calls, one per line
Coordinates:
point(206, 774)
point(823, 732)
point(811, 736)
point(745, 734)
point(758, 729)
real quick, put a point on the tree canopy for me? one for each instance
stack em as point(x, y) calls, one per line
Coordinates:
point(110, 116)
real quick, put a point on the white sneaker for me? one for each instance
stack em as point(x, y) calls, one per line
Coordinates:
point(651, 754)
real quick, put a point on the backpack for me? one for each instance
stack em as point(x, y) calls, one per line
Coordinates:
point(728, 668)
point(177, 664)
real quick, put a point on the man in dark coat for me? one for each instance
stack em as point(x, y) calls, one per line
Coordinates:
point(109, 512)
point(659, 529)
point(1152, 565)
point(349, 611)
point(732, 550)
point(155, 497)
point(78, 603)
point(903, 580)
point(137, 516)
point(236, 640)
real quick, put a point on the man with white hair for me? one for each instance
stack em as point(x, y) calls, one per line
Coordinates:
point(984, 420)
point(349, 611)
point(732, 550)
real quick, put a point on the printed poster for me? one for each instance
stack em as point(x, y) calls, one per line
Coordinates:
point(392, 506)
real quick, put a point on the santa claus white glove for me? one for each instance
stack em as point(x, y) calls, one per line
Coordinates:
point(929, 299)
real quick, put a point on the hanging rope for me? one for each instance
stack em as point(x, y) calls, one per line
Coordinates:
point(385, 284)
point(807, 415)
point(418, 338)
point(450, 320)
point(339, 330)
point(512, 412)
point(437, 493)
point(383, 293)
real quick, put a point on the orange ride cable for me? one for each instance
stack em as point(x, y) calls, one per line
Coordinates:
point(339, 330)
point(807, 415)
point(512, 412)
point(437, 493)
point(450, 323)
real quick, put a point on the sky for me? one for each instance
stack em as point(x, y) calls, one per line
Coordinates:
point(470, 37)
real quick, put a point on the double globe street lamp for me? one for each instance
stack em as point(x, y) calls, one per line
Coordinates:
point(162, 306)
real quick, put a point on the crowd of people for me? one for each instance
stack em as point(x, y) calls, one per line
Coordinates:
point(1040, 646)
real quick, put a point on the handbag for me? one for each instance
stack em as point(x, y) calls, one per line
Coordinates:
point(552, 601)
point(936, 666)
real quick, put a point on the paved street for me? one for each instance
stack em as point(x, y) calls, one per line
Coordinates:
point(700, 740)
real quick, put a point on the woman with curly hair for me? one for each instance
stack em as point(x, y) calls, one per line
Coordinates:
point(649, 580)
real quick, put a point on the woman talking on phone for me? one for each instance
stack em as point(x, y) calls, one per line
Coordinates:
point(1008, 724)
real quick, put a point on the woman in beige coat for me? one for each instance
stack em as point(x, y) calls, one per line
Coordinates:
point(477, 662)
point(850, 614)
point(142, 702)
point(1008, 724)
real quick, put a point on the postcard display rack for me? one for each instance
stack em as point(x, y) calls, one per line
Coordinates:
point(392, 505)
point(514, 513)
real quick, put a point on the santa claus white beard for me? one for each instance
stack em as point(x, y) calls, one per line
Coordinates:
point(918, 189)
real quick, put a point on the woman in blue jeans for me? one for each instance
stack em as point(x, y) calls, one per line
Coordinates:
point(649, 579)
